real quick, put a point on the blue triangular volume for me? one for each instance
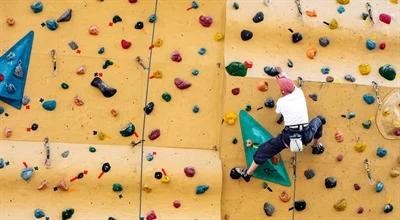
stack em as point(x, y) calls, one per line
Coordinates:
point(252, 130)
point(14, 70)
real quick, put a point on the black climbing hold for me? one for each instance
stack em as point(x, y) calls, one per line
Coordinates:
point(268, 209)
point(106, 90)
point(290, 63)
point(323, 41)
point(149, 108)
point(67, 214)
point(246, 35)
point(34, 127)
point(139, 25)
point(350, 78)
point(314, 97)
point(296, 37)
point(80, 175)
point(388, 208)
point(234, 141)
point(66, 16)
point(364, 16)
point(116, 19)
point(158, 175)
point(300, 205)
point(330, 182)
point(309, 173)
point(248, 108)
point(235, 174)
point(272, 71)
point(269, 103)
point(235, 5)
point(258, 17)
point(106, 167)
point(107, 63)
point(111, 218)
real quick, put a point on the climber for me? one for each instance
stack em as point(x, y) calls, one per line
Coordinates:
point(298, 131)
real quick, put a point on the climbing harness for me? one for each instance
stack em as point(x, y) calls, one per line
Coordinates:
point(54, 60)
point(298, 3)
point(369, 9)
point(367, 168)
point(376, 88)
point(47, 162)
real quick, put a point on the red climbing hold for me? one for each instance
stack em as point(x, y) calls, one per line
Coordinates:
point(125, 44)
point(235, 91)
point(385, 18)
point(248, 64)
point(132, 1)
point(181, 84)
point(176, 56)
point(151, 215)
point(176, 204)
point(205, 21)
point(382, 45)
point(189, 171)
point(154, 134)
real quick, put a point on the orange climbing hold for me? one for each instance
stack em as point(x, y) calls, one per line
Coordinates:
point(311, 13)
point(339, 136)
point(262, 86)
point(10, 21)
point(93, 30)
point(284, 196)
point(311, 53)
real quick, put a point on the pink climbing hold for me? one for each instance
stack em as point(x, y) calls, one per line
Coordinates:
point(181, 84)
point(205, 21)
point(385, 18)
point(189, 171)
point(176, 204)
point(235, 91)
point(176, 56)
point(125, 44)
point(151, 215)
point(154, 134)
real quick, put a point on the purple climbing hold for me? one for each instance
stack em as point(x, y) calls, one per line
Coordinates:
point(176, 56)
point(181, 84)
point(189, 171)
point(154, 134)
point(246, 35)
point(205, 21)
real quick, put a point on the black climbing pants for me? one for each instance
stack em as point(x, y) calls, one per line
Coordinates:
point(275, 145)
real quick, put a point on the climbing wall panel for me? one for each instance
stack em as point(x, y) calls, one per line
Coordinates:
point(72, 123)
point(182, 188)
point(90, 196)
point(176, 119)
point(271, 44)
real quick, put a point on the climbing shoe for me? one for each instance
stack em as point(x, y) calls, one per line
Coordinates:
point(322, 118)
point(237, 172)
point(319, 149)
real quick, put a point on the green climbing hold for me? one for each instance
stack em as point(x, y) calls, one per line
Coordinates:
point(388, 72)
point(166, 96)
point(67, 214)
point(92, 149)
point(64, 85)
point(236, 69)
point(116, 187)
point(196, 109)
point(367, 124)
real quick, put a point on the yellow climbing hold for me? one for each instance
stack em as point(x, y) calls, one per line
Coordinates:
point(158, 43)
point(340, 205)
point(230, 118)
point(101, 135)
point(157, 74)
point(311, 53)
point(333, 24)
point(394, 1)
point(343, 2)
point(386, 112)
point(360, 147)
point(364, 69)
point(147, 188)
point(165, 179)
point(218, 36)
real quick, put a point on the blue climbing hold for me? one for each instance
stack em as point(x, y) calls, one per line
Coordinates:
point(200, 189)
point(39, 213)
point(195, 72)
point(49, 105)
point(26, 173)
point(381, 151)
point(325, 70)
point(195, 5)
point(101, 50)
point(367, 124)
point(149, 157)
point(379, 186)
point(341, 9)
point(370, 44)
point(51, 24)
point(196, 109)
point(368, 98)
point(37, 7)
point(152, 18)
point(202, 51)
point(2, 165)
point(1, 110)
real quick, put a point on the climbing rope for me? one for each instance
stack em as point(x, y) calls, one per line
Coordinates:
point(298, 3)
point(376, 88)
point(369, 9)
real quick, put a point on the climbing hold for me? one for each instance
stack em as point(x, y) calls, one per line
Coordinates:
point(382, 45)
point(66, 16)
point(311, 52)
point(236, 69)
point(370, 44)
point(388, 208)
point(339, 136)
point(128, 130)
point(10, 21)
point(81, 70)
point(93, 30)
point(25, 100)
point(364, 69)
point(341, 9)
point(272, 71)
point(248, 108)
point(51, 24)
point(367, 124)
point(235, 5)
point(166, 96)
point(189, 171)
point(248, 64)
point(26, 173)
point(101, 136)
point(2, 110)
point(360, 147)
point(116, 187)
point(235, 91)
point(340, 205)
point(333, 24)
point(39, 213)
point(324, 41)
point(176, 204)
point(356, 186)
point(218, 36)
point(67, 213)
point(154, 134)
point(151, 215)
point(176, 56)
point(147, 188)
point(379, 186)
point(309, 173)
point(37, 7)
point(297, 37)
point(246, 35)
point(381, 151)
point(196, 109)
point(234, 140)
point(269, 103)
point(78, 101)
point(125, 44)
point(290, 63)
point(73, 45)
point(388, 72)
point(139, 25)
point(349, 78)
point(101, 50)
point(351, 115)
point(230, 118)
point(394, 172)
point(262, 86)
point(65, 154)
point(149, 108)
point(106, 90)
point(284, 196)
point(49, 105)
point(205, 21)
point(325, 70)
point(64, 85)
point(300, 205)
point(330, 182)
point(258, 17)
point(385, 18)
point(116, 19)
point(268, 209)
point(7, 132)
point(202, 51)
point(2, 163)
point(181, 84)
point(329, 79)
point(339, 157)
point(34, 126)
point(360, 210)
point(149, 157)
point(364, 16)
point(314, 97)
point(311, 13)
point(200, 189)
point(368, 98)
point(343, 2)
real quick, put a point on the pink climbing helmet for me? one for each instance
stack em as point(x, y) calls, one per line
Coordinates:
point(285, 85)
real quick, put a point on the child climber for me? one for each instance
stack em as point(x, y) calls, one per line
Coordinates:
point(297, 132)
